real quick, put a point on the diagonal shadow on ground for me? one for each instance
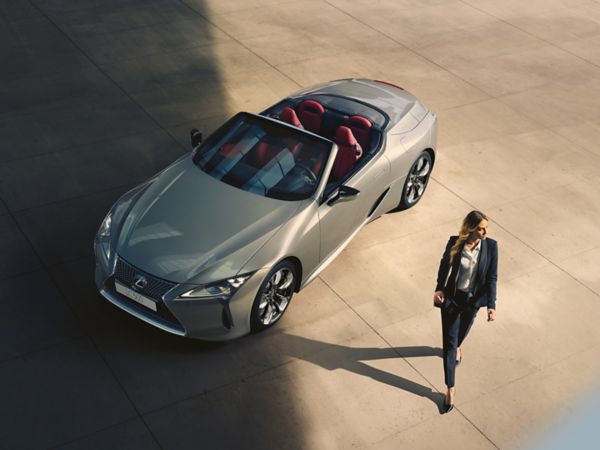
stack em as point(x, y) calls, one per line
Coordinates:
point(335, 356)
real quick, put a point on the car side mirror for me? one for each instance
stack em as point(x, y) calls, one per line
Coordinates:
point(343, 194)
point(195, 137)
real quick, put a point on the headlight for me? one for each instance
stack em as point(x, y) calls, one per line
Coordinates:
point(104, 231)
point(103, 240)
point(222, 289)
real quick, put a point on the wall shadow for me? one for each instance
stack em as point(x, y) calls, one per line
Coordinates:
point(103, 98)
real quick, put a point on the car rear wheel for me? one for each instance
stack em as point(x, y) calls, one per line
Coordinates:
point(274, 296)
point(416, 181)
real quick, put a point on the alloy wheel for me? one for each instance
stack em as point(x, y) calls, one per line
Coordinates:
point(417, 179)
point(276, 296)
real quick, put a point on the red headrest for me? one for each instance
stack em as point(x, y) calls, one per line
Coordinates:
point(361, 128)
point(288, 115)
point(311, 115)
point(359, 122)
point(311, 106)
point(344, 136)
point(346, 142)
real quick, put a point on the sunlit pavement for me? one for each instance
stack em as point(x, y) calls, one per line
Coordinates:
point(96, 96)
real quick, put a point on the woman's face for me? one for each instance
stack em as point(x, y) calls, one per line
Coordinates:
point(481, 231)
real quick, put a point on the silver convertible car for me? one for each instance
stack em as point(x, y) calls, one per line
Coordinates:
point(215, 245)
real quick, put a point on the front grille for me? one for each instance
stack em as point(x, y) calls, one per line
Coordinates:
point(156, 288)
point(162, 313)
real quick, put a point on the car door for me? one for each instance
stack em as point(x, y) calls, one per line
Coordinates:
point(339, 221)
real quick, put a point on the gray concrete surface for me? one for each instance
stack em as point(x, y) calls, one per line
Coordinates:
point(96, 96)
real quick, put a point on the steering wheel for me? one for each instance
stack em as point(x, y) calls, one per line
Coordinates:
point(310, 176)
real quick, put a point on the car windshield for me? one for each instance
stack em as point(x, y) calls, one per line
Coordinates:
point(266, 158)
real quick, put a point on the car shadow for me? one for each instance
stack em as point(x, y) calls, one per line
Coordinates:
point(352, 359)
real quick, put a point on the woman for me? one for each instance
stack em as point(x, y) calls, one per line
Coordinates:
point(466, 281)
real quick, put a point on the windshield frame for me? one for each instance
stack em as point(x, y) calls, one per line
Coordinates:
point(289, 131)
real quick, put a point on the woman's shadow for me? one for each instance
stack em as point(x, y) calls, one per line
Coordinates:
point(334, 356)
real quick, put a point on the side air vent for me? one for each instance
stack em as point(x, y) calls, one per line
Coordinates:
point(378, 202)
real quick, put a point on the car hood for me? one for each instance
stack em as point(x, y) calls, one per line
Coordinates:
point(188, 227)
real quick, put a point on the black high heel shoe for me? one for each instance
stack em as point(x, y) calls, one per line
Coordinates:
point(448, 406)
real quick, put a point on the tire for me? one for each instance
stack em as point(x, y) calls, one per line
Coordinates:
point(416, 181)
point(273, 297)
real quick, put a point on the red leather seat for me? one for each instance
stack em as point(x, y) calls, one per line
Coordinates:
point(346, 156)
point(310, 114)
point(288, 115)
point(228, 150)
point(263, 153)
point(361, 129)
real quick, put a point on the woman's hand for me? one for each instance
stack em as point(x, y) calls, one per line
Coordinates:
point(491, 315)
point(438, 298)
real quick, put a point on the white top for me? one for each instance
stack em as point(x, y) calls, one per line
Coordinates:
point(468, 267)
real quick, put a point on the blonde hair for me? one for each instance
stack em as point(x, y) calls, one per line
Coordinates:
point(469, 224)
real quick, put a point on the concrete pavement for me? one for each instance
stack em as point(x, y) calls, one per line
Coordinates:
point(96, 96)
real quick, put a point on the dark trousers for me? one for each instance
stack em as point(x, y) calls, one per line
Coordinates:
point(457, 319)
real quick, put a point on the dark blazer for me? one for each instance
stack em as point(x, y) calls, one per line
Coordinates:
point(484, 285)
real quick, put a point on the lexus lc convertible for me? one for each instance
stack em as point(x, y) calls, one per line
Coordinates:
point(215, 245)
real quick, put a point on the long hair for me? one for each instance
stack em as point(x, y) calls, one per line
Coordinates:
point(469, 224)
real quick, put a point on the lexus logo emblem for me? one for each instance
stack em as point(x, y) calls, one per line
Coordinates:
point(140, 281)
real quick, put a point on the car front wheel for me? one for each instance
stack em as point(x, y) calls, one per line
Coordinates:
point(416, 181)
point(274, 296)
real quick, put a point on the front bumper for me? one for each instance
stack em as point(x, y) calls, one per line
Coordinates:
point(207, 319)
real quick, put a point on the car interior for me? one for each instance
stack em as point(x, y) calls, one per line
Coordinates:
point(356, 136)
point(264, 158)
point(279, 164)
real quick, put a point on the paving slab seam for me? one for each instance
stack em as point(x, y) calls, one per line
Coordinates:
point(108, 366)
point(529, 33)
point(68, 199)
point(415, 425)
point(21, 274)
point(35, 253)
point(474, 102)
point(25, 355)
point(253, 8)
point(404, 236)
point(524, 273)
point(575, 144)
point(84, 332)
point(72, 441)
point(64, 262)
point(376, 332)
point(73, 148)
point(520, 199)
point(105, 74)
point(413, 51)
point(155, 54)
point(462, 105)
point(233, 38)
point(522, 241)
point(537, 370)
point(206, 392)
point(433, 388)
point(512, 92)
point(533, 118)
